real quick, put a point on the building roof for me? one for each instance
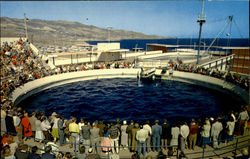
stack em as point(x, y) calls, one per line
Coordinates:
point(220, 47)
point(118, 50)
point(71, 53)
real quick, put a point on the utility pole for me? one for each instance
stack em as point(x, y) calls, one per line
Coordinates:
point(201, 20)
point(25, 24)
point(109, 29)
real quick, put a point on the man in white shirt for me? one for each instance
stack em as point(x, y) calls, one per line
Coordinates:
point(141, 137)
point(147, 127)
point(184, 130)
point(45, 128)
point(215, 132)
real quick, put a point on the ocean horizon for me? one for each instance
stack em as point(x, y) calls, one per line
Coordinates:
point(142, 43)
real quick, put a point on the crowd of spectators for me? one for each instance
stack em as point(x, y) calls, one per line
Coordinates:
point(20, 65)
point(87, 138)
point(90, 66)
point(235, 78)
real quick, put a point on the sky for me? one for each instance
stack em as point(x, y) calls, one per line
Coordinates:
point(168, 18)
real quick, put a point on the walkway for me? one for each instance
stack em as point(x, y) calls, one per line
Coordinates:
point(223, 151)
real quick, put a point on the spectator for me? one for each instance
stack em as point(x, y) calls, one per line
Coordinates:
point(166, 131)
point(175, 131)
point(3, 123)
point(18, 125)
point(141, 137)
point(193, 131)
point(32, 121)
point(184, 132)
point(39, 133)
point(80, 124)
point(215, 132)
point(26, 126)
point(129, 131)
point(230, 129)
point(114, 138)
point(12, 144)
point(45, 128)
point(106, 140)
point(156, 134)
point(6, 152)
point(48, 153)
point(61, 131)
point(95, 137)
point(147, 127)
point(124, 136)
point(10, 123)
point(74, 130)
point(33, 154)
point(205, 133)
point(86, 135)
point(22, 152)
point(55, 132)
point(134, 142)
point(242, 119)
point(82, 154)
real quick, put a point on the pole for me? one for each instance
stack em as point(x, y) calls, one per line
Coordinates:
point(201, 20)
point(203, 152)
point(25, 24)
point(109, 28)
point(236, 146)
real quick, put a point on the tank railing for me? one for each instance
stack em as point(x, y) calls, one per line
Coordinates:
point(233, 147)
point(218, 63)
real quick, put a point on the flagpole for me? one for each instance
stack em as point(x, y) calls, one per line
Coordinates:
point(25, 24)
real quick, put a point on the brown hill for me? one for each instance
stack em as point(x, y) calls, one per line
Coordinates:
point(63, 32)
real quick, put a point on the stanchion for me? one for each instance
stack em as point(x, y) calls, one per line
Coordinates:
point(203, 152)
point(236, 146)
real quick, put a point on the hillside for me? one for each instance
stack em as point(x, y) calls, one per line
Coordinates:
point(63, 32)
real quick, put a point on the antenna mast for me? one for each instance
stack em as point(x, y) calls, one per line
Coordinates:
point(200, 20)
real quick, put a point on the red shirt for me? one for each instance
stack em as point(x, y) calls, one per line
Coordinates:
point(194, 129)
point(83, 68)
point(37, 76)
point(4, 141)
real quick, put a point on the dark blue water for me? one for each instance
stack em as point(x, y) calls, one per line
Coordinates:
point(109, 99)
point(141, 43)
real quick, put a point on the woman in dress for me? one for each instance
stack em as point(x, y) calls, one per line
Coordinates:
point(39, 133)
point(54, 132)
point(106, 140)
point(124, 136)
point(3, 116)
point(175, 132)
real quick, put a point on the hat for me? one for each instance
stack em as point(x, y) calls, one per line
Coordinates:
point(90, 150)
point(124, 122)
point(53, 114)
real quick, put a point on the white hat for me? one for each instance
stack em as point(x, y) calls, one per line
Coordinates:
point(53, 114)
point(90, 150)
point(124, 122)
